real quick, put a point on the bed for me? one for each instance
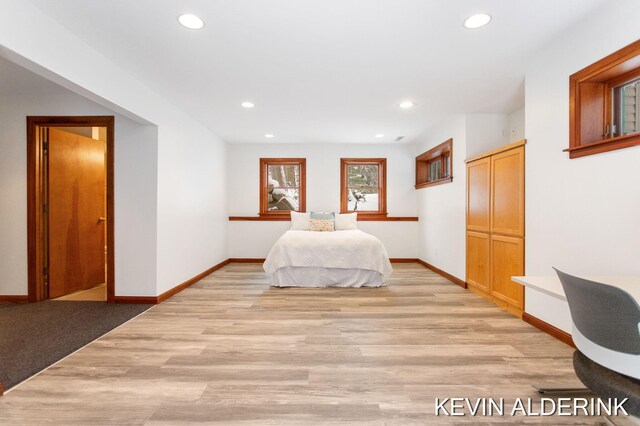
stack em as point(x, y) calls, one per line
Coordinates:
point(349, 258)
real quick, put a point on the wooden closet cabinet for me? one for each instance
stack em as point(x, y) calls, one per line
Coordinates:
point(478, 260)
point(495, 226)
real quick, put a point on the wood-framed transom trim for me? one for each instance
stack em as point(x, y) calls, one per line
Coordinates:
point(442, 152)
point(590, 103)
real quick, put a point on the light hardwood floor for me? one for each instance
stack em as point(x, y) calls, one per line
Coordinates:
point(95, 294)
point(233, 350)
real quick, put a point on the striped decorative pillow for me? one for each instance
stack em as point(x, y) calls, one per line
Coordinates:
point(322, 225)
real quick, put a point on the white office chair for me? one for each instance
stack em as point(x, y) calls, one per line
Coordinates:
point(606, 331)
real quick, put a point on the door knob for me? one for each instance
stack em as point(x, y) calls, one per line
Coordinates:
point(102, 219)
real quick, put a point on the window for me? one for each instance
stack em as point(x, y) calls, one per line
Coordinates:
point(604, 99)
point(363, 183)
point(282, 186)
point(434, 166)
point(626, 109)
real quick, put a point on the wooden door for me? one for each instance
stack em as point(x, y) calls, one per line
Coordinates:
point(507, 260)
point(76, 205)
point(478, 247)
point(507, 192)
point(478, 188)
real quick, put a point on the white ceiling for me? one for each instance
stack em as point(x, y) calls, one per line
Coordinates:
point(326, 70)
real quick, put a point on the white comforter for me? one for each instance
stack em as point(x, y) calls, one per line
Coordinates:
point(340, 249)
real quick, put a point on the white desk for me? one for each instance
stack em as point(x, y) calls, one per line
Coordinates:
point(623, 363)
point(551, 284)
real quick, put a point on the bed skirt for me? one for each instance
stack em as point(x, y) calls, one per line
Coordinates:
point(296, 276)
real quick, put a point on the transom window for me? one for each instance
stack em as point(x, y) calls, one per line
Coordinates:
point(363, 185)
point(626, 109)
point(282, 186)
point(434, 166)
point(603, 104)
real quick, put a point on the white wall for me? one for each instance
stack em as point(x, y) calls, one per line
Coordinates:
point(192, 209)
point(254, 239)
point(135, 204)
point(191, 212)
point(486, 132)
point(582, 214)
point(442, 207)
point(135, 189)
point(517, 125)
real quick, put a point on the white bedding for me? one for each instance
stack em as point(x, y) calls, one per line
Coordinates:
point(312, 276)
point(352, 249)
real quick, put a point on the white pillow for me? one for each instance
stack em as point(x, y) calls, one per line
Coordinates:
point(300, 221)
point(346, 221)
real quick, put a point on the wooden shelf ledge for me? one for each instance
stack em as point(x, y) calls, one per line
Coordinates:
point(619, 142)
point(434, 182)
point(262, 218)
point(360, 218)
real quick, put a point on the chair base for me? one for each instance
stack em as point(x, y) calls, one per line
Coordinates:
point(606, 383)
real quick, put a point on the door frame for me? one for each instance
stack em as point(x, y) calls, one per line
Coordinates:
point(35, 176)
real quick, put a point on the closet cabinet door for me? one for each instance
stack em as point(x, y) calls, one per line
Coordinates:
point(507, 260)
point(478, 187)
point(507, 193)
point(478, 246)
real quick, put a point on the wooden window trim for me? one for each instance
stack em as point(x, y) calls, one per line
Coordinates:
point(264, 172)
point(361, 218)
point(590, 98)
point(382, 186)
point(424, 160)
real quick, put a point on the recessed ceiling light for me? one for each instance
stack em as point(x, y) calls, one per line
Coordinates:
point(406, 104)
point(269, 136)
point(477, 21)
point(191, 21)
point(379, 135)
point(247, 105)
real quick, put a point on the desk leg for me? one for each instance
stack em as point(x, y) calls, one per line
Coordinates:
point(561, 389)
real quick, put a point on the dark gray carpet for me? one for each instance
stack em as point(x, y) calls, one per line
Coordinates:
point(35, 335)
